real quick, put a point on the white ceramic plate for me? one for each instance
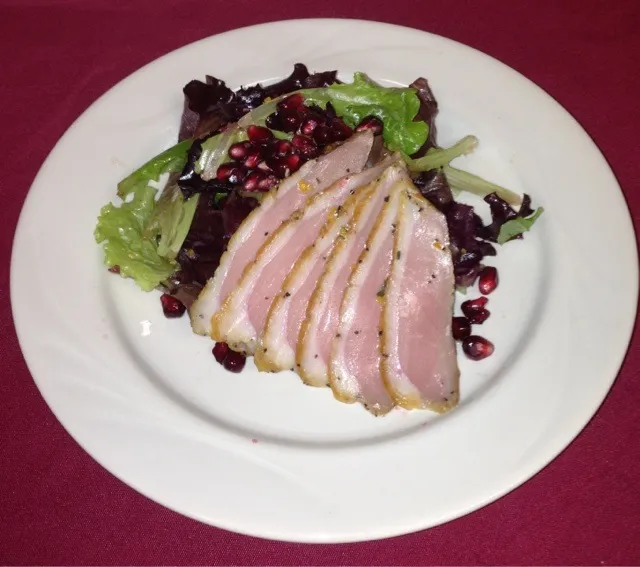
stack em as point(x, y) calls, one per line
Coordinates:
point(261, 454)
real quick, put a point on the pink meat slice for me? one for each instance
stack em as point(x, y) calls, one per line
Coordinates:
point(276, 348)
point(276, 206)
point(242, 318)
point(354, 365)
point(323, 311)
point(419, 365)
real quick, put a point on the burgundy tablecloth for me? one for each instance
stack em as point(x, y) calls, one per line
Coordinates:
point(57, 506)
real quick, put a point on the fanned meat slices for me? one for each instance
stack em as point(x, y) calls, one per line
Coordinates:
point(313, 177)
point(323, 311)
point(242, 318)
point(276, 350)
point(419, 362)
point(354, 366)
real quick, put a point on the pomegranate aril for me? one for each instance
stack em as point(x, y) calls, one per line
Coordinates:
point(340, 130)
point(267, 182)
point(308, 126)
point(283, 148)
point(370, 123)
point(322, 135)
point(290, 123)
point(479, 316)
point(252, 160)
point(114, 269)
point(234, 361)
point(460, 328)
point(283, 166)
point(220, 351)
point(305, 145)
point(252, 181)
point(488, 280)
point(471, 306)
point(240, 150)
point(259, 134)
point(268, 149)
point(477, 348)
point(291, 103)
point(294, 161)
point(279, 166)
point(171, 307)
point(274, 121)
point(225, 171)
point(238, 176)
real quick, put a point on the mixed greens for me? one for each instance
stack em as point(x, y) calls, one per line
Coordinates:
point(174, 240)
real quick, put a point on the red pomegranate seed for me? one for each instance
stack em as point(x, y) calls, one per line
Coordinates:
point(460, 328)
point(291, 103)
point(308, 126)
point(488, 280)
point(252, 180)
point(220, 351)
point(114, 269)
point(474, 310)
point(370, 123)
point(479, 316)
point(340, 130)
point(267, 182)
point(322, 135)
point(234, 361)
point(477, 348)
point(252, 160)
point(279, 166)
point(225, 170)
point(283, 148)
point(259, 134)
point(305, 145)
point(294, 161)
point(171, 307)
point(273, 121)
point(472, 305)
point(231, 172)
point(240, 150)
point(290, 123)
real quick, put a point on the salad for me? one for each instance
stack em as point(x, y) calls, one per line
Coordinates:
point(234, 147)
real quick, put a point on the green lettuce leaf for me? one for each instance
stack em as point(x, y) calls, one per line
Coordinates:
point(395, 106)
point(517, 226)
point(168, 161)
point(436, 158)
point(121, 228)
point(142, 237)
point(461, 181)
point(171, 220)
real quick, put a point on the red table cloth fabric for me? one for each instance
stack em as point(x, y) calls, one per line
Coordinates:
point(58, 506)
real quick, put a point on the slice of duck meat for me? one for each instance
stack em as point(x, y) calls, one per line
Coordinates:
point(323, 311)
point(419, 361)
point(276, 348)
point(354, 365)
point(242, 318)
point(276, 206)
